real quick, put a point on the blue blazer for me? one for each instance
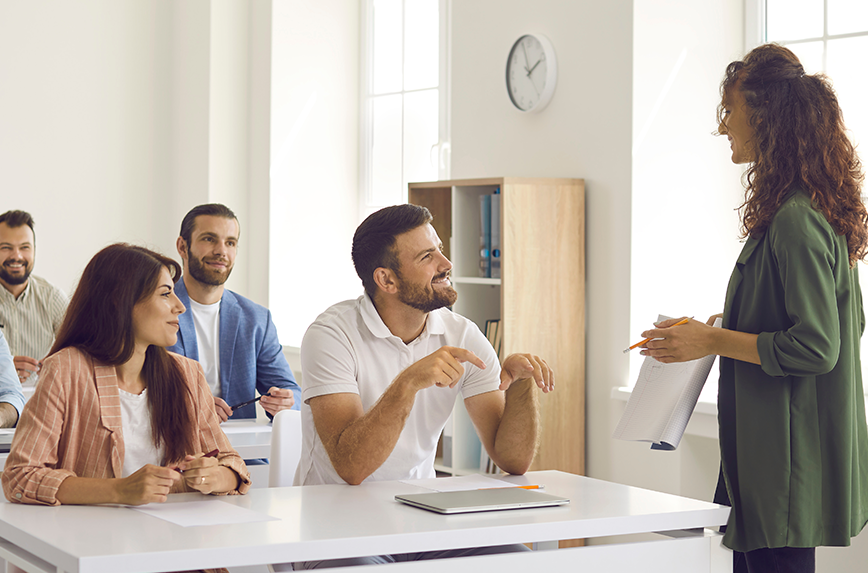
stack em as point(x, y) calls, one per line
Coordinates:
point(251, 357)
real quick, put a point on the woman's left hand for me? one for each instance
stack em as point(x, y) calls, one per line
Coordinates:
point(201, 473)
point(680, 343)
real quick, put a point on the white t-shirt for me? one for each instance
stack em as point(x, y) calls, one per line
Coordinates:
point(139, 448)
point(206, 319)
point(349, 349)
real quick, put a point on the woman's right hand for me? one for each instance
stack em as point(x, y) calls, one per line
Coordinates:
point(712, 318)
point(151, 484)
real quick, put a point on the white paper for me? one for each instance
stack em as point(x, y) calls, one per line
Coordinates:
point(663, 400)
point(459, 483)
point(207, 512)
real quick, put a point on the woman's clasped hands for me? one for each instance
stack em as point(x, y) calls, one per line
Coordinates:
point(200, 472)
point(152, 484)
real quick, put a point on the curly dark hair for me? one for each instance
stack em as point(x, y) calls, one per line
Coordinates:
point(799, 141)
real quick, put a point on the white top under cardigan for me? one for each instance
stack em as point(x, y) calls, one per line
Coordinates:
point(139, 448)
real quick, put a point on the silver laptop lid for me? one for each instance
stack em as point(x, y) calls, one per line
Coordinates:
point(481, 500)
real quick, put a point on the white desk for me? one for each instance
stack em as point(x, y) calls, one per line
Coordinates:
point(319, 522)
point(250, 438)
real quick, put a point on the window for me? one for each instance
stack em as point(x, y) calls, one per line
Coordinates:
point(404, 99)
point(831, 36)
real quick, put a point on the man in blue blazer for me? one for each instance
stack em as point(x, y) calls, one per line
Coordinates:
point(231, 336)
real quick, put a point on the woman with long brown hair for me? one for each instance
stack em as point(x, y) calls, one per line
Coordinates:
point(116, 418)
point(793, 438)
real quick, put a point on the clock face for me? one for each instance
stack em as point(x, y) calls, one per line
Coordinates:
point(530, 73)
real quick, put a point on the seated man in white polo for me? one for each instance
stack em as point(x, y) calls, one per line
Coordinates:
point(381, 373)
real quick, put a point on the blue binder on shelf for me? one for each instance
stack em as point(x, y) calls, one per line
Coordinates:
point(485, 236)
point(495, 235)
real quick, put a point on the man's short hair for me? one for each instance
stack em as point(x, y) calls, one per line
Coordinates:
point(374, 240)
point(214, 209)
point(15, 219)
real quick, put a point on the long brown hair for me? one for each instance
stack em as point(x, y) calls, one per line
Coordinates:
point(99, 321)
point(799, 141)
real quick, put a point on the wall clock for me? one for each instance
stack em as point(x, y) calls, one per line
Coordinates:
point(531, 73)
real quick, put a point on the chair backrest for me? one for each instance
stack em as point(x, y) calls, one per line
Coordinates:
point(285, 448)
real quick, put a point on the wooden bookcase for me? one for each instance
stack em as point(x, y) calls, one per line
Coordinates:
point(540, 299)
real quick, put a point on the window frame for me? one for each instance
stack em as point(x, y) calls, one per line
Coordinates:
point(762, 18)
point(443, 147)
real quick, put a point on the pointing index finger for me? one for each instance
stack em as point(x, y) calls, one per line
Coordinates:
point(464, 355)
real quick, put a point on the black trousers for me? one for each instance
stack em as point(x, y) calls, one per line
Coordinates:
point(767, 560)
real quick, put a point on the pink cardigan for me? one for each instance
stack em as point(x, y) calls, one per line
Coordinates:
point(72, 427)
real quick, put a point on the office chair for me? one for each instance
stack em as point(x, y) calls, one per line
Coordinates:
point(285, 448)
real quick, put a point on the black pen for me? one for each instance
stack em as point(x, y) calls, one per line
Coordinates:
point(247, 403)
point(212, 454)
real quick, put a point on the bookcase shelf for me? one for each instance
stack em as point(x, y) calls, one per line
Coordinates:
point(539, 299)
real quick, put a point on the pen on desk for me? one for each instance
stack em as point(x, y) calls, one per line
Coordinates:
point(247, 403)
point(518, 487)
point(212, 454)
point(647, 340)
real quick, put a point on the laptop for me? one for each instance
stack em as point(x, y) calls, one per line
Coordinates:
point(481, 500)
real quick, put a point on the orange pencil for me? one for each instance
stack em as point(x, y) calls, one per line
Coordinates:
point(518, 487)
point(647, 340)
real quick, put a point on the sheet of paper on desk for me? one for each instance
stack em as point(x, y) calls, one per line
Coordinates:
point(458, 483)
point(663, 400)
point(208, 512)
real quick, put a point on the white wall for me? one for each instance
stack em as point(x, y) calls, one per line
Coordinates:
point(584, 132)
point(685, 192)
point(314, 158)
point(85, 113)
point(119, 116)
point(647, 159)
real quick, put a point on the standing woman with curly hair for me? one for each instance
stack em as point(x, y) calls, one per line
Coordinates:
point(793, 438)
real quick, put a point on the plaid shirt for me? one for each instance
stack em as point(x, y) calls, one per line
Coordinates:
point(30, 321)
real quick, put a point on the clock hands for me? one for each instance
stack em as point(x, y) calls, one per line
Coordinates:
point(530, 71)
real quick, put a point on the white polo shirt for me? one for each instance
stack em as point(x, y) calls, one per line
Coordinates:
point(348, 349)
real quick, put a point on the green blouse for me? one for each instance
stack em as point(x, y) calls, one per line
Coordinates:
point(793, 439)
